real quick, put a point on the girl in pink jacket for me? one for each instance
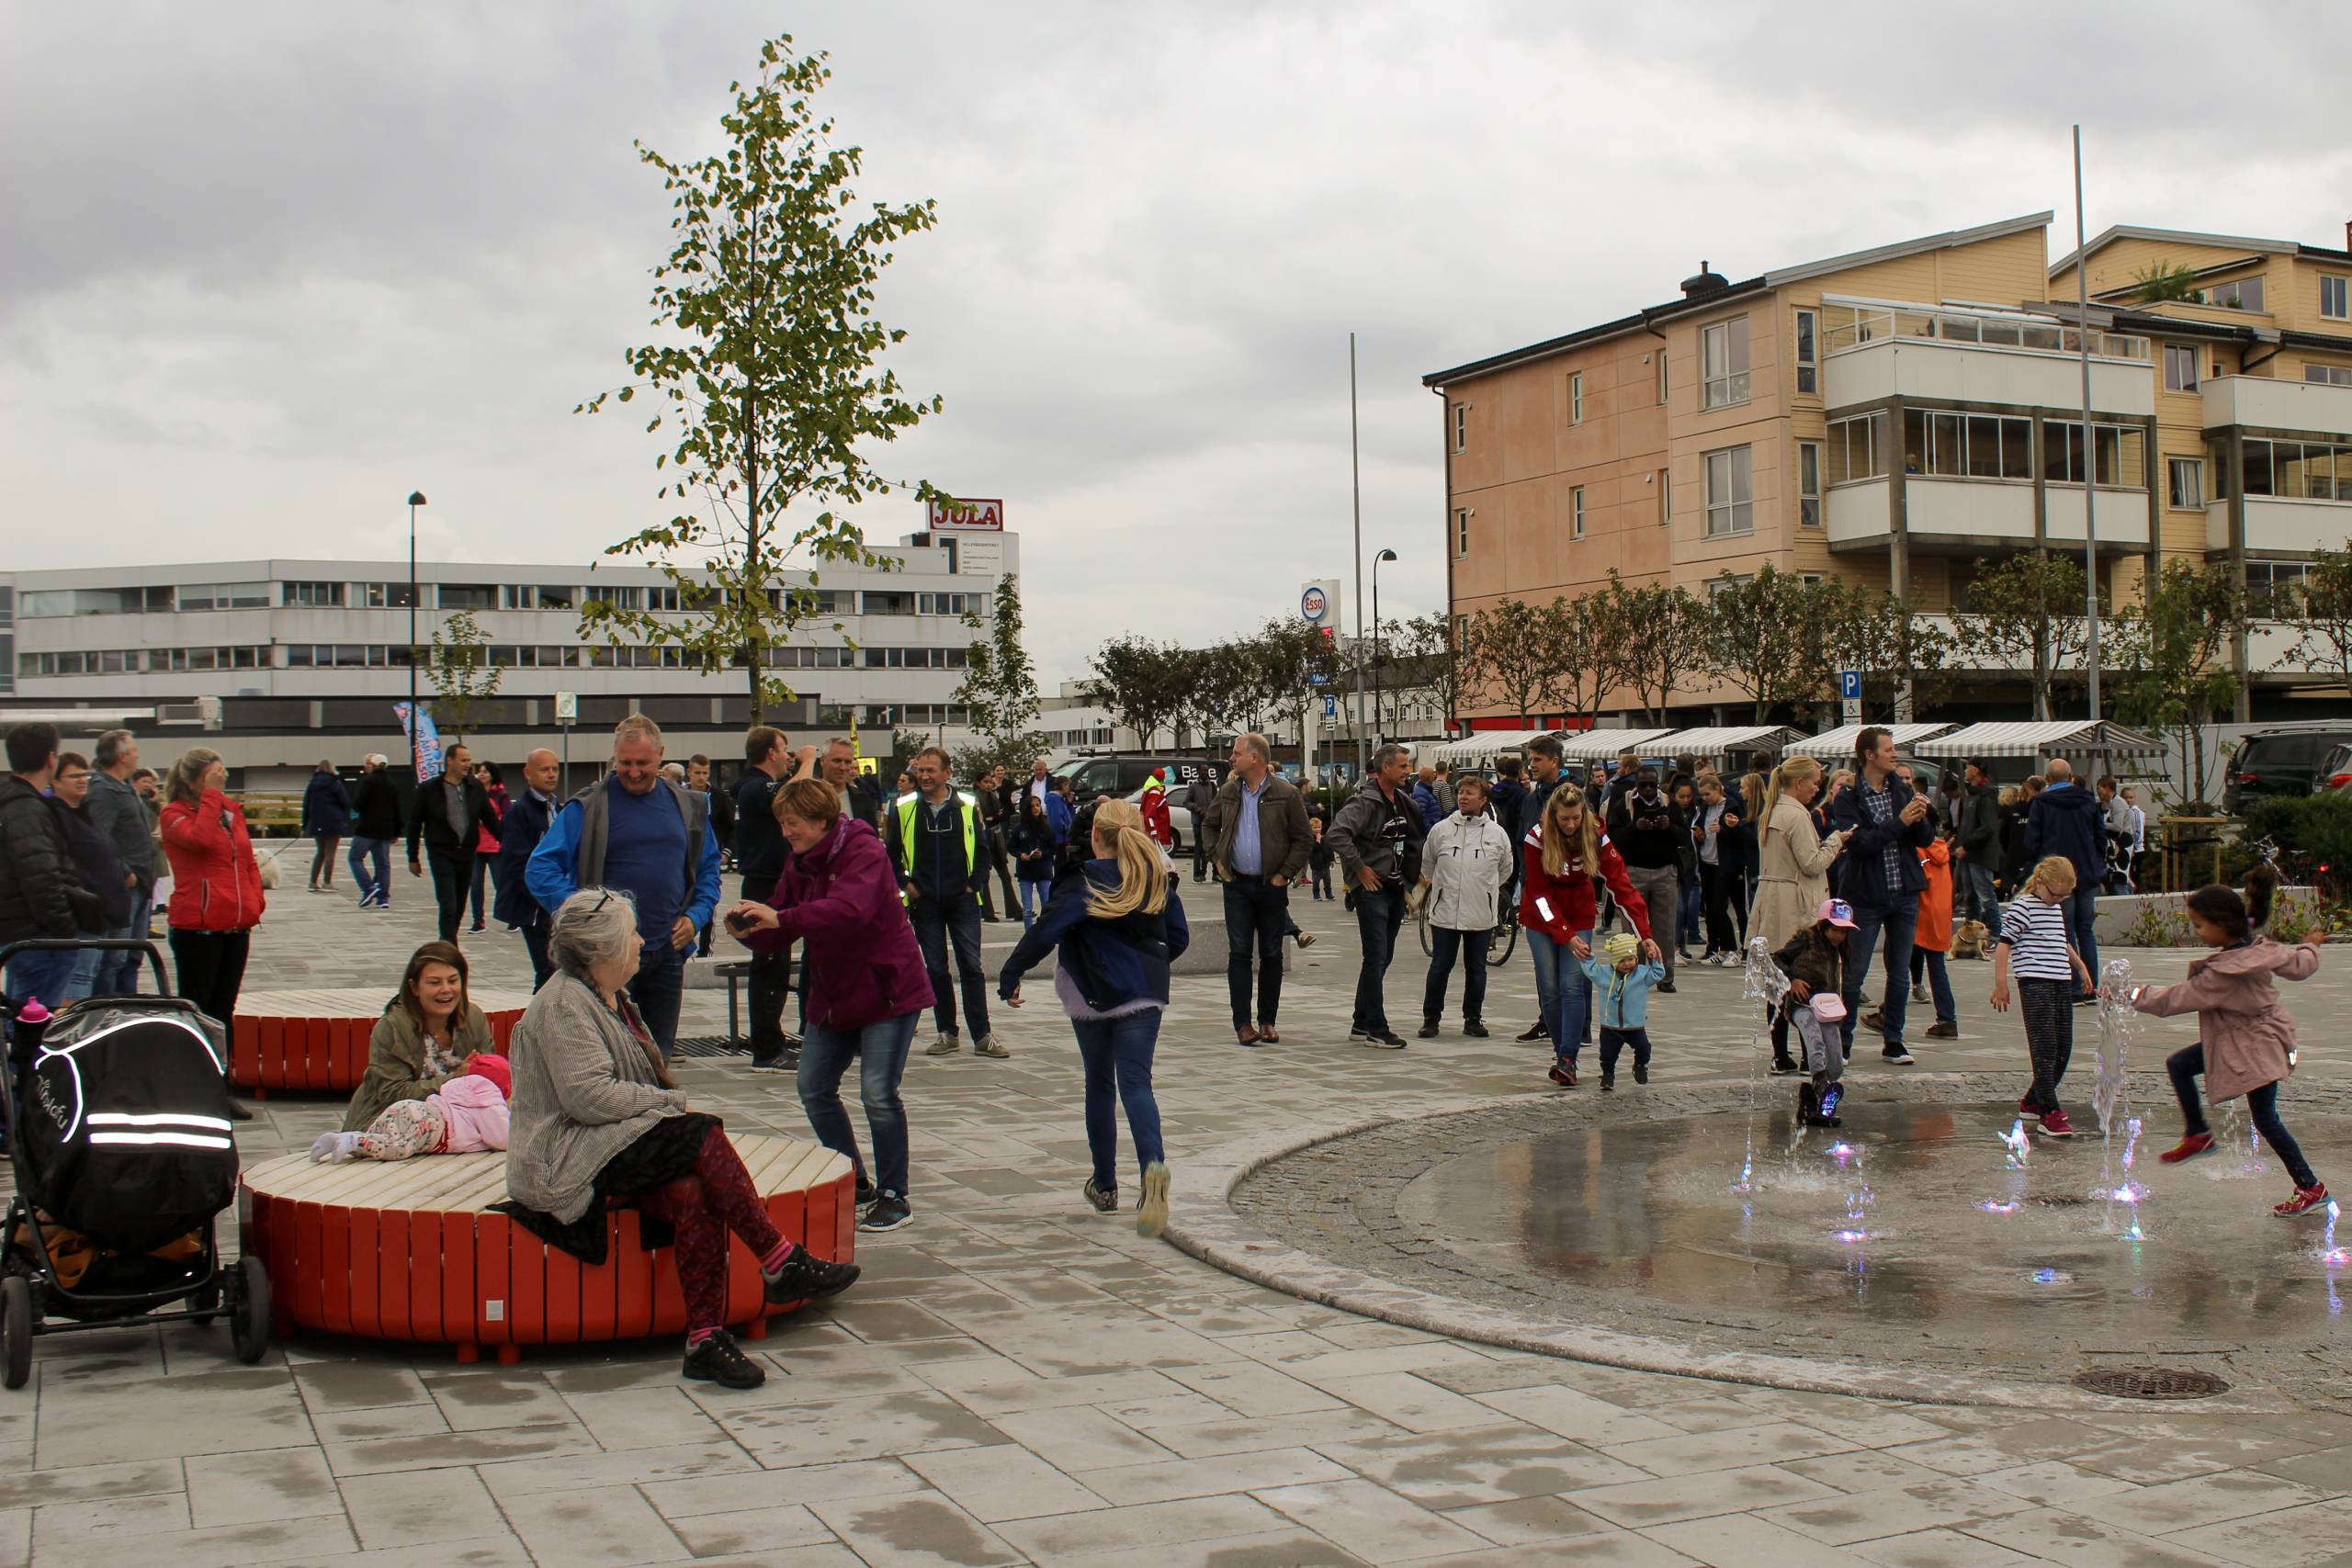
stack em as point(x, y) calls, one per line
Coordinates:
point(466, 1116)
point(2246, 1041)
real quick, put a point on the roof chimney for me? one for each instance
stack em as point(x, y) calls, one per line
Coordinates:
point(1708, 280)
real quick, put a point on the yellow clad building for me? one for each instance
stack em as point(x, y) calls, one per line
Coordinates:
point(1896, 415)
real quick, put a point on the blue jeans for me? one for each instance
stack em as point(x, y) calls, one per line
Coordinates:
point(1938, 974)
point(881, 1049)
point(117, 973)
point(1694, 907)
point(2082, 913)
point(1117, 1051)
point(1984, 900)
point(1566, 993)
point(1445, 948)
point(1034, 894)
point(1897, 925)
point(376, 852)
point(1255, 913)
point(48, 976)
point(1379, 917)
point(661, 976)
point(937, 929)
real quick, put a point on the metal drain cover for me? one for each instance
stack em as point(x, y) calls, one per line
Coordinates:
point(2150, 1382)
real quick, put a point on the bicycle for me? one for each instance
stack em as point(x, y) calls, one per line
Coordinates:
point(1499, 942)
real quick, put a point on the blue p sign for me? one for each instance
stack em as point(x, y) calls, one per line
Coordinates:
point(1850, 685)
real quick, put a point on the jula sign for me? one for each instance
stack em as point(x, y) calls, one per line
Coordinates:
point(983, 514)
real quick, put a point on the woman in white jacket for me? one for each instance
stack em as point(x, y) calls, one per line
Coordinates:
point(1466, 861)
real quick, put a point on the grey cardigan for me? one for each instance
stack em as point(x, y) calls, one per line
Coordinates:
point(584, 1090)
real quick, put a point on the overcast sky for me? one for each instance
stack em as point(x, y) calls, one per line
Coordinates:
point(266, 268)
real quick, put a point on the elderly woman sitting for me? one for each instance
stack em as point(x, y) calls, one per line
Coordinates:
point(424, 1039)
point(596, 1123)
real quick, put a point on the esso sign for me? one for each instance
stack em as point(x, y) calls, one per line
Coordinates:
point(1314, 605)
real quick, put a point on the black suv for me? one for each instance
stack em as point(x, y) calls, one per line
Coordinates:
point(2279, 761)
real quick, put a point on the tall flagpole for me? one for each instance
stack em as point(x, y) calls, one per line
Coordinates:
point(2090, 432)
point(1355, 476)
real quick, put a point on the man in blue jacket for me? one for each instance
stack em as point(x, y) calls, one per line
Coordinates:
point(635, 832)
point(2064, 819)
point(528, 816)
point(1887, 823)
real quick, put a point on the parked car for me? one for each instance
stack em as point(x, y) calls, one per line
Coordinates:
point(2334, 771)
point(2284, 760)
point(1091, 776)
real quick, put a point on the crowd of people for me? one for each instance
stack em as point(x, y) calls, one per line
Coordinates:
point(883, 896)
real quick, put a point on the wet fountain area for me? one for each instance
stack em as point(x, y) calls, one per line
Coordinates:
point(1914, 1238)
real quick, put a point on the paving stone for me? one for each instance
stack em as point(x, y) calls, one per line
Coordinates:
point(2290, 1538)
point(1208, 1477)
point(273, 1483)
point(1726, 1450)
point(1005, 1481)
point(420, 1507)
point(1248, 1389)
point(2061, 1536)
point(1154, 1526)
point(755, 1488)
point(643, 1419)
point(752, 1532)
point(1408, 1401)
point(1080, 1438)
point(1934, 1505)
point(1744, 1541)
point(920, 1531)
point(23, 1488)
point(2200, 1500)
point(1370, 1522)
point(859, 1428)
point(603, 1526)
point(1939, 1549)
point(1454, 1470)
point(1638, 1504)
point(1527, 1521)
point(228, 1546)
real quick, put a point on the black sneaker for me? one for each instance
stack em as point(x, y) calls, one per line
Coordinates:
point(1667, 986)
point(887, 1213)
point(1535, 1031)
point(1783, 1065)
point(782, 1062)
point(721, 1361)
point(1105, 1202)
point(1608, 1082)
point(1380, 1040)
point(1641, 1072)
point(1428, 1029)
point(1475, 1030)
point(1895, 1054)
point(238, 1112)
point(804, 1278)
point(866, 1193)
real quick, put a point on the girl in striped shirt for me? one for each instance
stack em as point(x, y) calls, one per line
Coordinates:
point(2033, 943)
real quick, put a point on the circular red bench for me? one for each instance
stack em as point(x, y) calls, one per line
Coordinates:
point(408, 1249)
point(318, 1040)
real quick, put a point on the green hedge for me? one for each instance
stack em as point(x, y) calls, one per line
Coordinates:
point(2315, 837)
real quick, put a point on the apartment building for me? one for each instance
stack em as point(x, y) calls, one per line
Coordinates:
point(1896, 415)
point(278, 663)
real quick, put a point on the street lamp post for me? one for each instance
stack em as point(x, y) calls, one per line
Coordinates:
point(416, 499)
point(1378, 731)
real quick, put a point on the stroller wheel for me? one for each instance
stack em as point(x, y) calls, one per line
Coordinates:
point(16, 1331)
point(248, 1300)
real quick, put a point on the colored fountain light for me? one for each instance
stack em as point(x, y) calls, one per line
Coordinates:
point(2330, 1254)
point(2000, 1206)
point(1851, 1238)
point(2013, 1143)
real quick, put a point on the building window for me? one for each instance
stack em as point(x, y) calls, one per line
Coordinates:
point(1661, 375)
point(1808, 350)
point(1966, 445)
point(1858, 448)
point(2332, 292)
point(384, 595)
point(2180, 367)
point(1723, 358)
point(1665, 497)
point(225, 596)
point(1808, 484)
point(2329, 374)
point(878, 603)
point(1719, 586)
point(2184, 484)
point(468, 596)
point(1461, 532)
point(1576, 400)
point(1730, 494)
point(2271, 585)
point(1461, 427)
point(2117, 453)
point(2299, 470)
point(1576, 513)
point(316, 596)
point(2239, 294)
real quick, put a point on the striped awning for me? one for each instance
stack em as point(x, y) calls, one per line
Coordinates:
point(2043, 739)
point(1480, 749)
point(1594, 745)
point(1839, 742)
point(1735, 738)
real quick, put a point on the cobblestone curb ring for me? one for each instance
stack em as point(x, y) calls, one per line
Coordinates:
point(1222, 1234)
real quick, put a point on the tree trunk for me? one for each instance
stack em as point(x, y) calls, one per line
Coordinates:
point(752, 550)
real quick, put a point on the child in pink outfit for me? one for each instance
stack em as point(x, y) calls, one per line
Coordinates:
point(466, 1116)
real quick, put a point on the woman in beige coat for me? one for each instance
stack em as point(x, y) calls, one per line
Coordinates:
point(1793, 859)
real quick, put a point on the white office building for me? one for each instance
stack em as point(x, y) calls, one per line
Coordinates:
point(278, 664)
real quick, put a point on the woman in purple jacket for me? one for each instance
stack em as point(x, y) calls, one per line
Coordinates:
point(864, 976)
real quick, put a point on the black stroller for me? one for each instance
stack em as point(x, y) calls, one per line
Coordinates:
point(118, 1119)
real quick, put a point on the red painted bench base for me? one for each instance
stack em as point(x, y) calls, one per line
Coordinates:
point(408, 1250)
point(317, 1041)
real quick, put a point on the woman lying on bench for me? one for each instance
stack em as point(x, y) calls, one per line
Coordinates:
point(599, 1125)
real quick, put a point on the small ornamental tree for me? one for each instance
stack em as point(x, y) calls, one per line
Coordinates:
point(998, 693)
point(1140, 682)
point(1516, 650)
point(765, 375)
point(1760, 637)
point(459, 668)
point(1653, 636)
point(2169, 667)
point(2324, 610)
point(2029, 609)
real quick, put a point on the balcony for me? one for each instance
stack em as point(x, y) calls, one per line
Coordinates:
point(2278, 525)
point(1958, 356)
point(2259, 402)
point(1965, 517)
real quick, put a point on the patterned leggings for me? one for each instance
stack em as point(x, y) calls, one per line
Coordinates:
point(2048, 1009)
point(406, 1127)
point(702, 1208)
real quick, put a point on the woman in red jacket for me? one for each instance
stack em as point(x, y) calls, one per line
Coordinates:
point(1564, 853)
point(216, 888)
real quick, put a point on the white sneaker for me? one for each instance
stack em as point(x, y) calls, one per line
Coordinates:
point(987, 1045)
point(945, 1045)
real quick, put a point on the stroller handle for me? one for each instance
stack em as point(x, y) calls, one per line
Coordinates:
point(97, 944)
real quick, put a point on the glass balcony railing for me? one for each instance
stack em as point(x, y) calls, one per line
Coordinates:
point(1851, 326)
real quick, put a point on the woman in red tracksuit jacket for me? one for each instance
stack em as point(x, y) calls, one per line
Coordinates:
point(216, 888)
point(1564, 853)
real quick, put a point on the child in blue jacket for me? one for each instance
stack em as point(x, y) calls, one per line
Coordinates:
point(1620, 997)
